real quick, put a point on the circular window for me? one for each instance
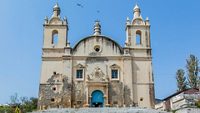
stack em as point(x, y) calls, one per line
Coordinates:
point(97, 48)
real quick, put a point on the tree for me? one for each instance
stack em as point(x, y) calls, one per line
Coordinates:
point(192, 71)
point(28, 105)
point(14, 99)
point(181, 80)
point(21, 104)
point(34, 102)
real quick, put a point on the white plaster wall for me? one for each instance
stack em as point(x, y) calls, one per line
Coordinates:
point(48, 67)
point(143, 92)
point(67, 69)
point(139, 53)
point(143, 71)
point(51, 52)
point(128, 74)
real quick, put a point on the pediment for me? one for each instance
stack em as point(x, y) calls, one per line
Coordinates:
point(115, 66)
point(79, 65)
point(55, 20)
point(138, 21)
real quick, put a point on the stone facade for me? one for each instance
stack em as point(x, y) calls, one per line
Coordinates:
point(97, 71)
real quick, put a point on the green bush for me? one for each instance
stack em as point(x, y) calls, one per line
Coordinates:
point(197, 104)
point(6, 109)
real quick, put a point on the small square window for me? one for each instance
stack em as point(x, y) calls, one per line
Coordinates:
point(79, 73)
point(114, 74)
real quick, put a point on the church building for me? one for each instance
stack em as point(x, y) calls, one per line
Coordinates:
point(96, 71)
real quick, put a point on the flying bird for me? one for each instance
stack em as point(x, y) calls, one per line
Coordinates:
point(79, 5)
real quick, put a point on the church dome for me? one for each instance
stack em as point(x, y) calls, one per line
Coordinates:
point(106, 46)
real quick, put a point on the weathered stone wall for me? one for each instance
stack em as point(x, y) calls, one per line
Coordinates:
point(119, 95)
point(55, 93)
point(116, 94)
point(78, 96)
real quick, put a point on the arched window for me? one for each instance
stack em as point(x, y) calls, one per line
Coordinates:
point(55, 37)
point(138, 37)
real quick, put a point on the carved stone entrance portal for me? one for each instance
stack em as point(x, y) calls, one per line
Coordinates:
point(97, 99)
point(97, 84)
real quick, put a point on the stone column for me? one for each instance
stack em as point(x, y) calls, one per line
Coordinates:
point(106, 96)
point(87, 97)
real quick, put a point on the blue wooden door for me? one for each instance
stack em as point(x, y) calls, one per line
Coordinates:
point(97, 99)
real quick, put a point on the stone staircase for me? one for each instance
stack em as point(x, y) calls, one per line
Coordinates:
point(101, 110)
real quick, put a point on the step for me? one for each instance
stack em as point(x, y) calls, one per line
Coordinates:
point(100, 110)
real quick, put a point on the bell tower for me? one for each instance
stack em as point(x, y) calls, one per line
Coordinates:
point(137, 30)
point(55, 81)
point(55, 30)
point(138, 46)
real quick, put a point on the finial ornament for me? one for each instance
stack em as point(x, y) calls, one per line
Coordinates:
point(127, 20)
point(65, 20)
point(56, 10)
point(46, 19)
point(56, 5)
point(136, 7)
point(136, 12)
point(147, 21)
point(56, 18)
point(97, 28)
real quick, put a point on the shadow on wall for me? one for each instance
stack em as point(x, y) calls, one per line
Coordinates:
point(119, 95)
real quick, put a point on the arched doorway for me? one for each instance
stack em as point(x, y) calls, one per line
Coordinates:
point(97, 99)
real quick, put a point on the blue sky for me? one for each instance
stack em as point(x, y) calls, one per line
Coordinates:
point(175, 28)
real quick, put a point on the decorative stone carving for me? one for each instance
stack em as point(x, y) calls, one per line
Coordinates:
point(97, 75)
point(115, 66)
point(78, 86)
point(79, 65)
